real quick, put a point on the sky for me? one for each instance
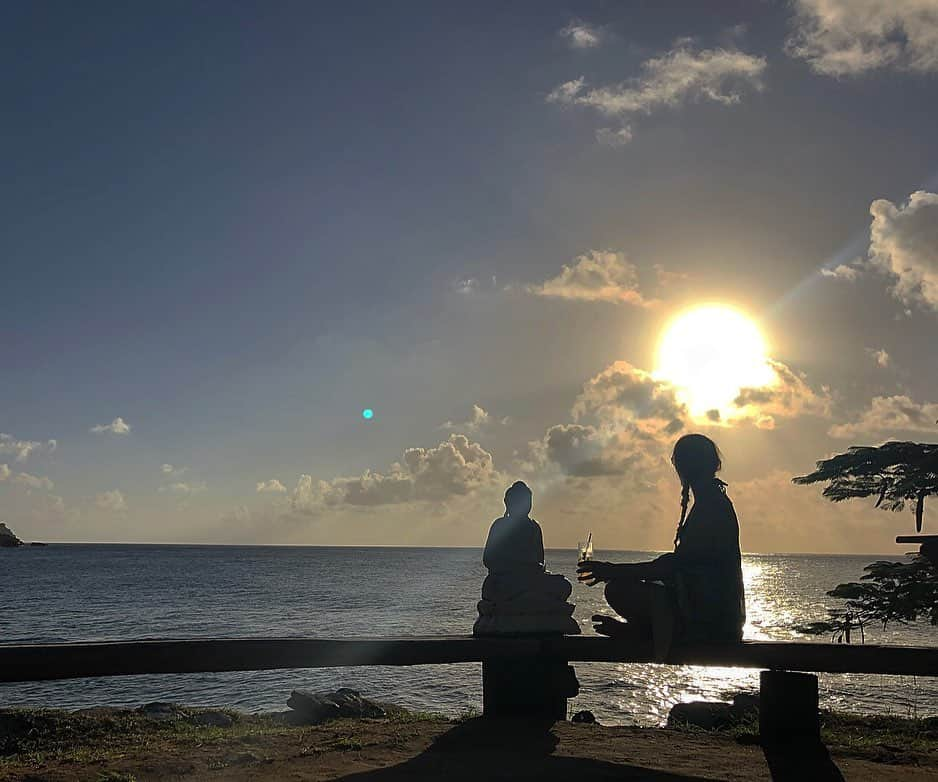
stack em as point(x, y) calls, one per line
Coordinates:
point(230, 228)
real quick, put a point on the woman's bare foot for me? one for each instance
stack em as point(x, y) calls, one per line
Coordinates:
point(607, 625)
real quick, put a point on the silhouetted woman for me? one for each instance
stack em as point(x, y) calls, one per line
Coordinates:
point(696, 591)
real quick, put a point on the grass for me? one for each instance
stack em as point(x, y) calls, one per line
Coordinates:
point(893, 740)
point(112, 738)
point(35, 737)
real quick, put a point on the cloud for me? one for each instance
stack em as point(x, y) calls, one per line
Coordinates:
point(453, 468)
point(777, 516)
point(623, 423)
point(185, 489)
point(111, 501)
point(585, 451)
point(22, 449)
point(480, 419)
point(273, 486)
point(880, 356)
point(842, 272)
point(33, 481)
point(614, 137)
point(789, 396)
point(682, 75)
point(600, 275)
point(582, 35)
point(117, 426)
point(850, 37)
point(889, 414)
point(623, 394)
point(904, 244)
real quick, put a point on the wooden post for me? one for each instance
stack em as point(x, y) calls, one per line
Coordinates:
point(534, 688)
point(788, 707)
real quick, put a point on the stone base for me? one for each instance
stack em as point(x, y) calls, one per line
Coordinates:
point(527, 688)
point(513, 624)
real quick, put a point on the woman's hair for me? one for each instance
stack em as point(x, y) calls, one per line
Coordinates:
point(695, 458)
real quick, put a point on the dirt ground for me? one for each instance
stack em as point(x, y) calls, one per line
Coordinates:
point(436, 749)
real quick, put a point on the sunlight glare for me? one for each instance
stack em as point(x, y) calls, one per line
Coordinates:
point(709, 353)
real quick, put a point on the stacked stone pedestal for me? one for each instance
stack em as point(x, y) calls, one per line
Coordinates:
point(528, 604)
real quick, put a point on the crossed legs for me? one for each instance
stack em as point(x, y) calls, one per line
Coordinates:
point(648, 611)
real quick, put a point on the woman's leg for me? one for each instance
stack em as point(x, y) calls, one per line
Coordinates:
point(648, 610)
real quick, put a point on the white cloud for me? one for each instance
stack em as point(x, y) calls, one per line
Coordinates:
point(582, 35)
point(880, 356)
point(614, 137)
point(682, 75)
point(623, 395)
point(788, 397)
point(586, 451)
point(842, 272)
point(453, 468)
point(170, 471)
point(117, 426)
point(22, 449)
point(849, 37)
point(887, 415)
point(623, 422)
point(478, 420)
point(33, 481)
point(904, 244)
point(4, 472)
point(184, 488)
point(111, 501)
point(273, 486)
point(599, 275)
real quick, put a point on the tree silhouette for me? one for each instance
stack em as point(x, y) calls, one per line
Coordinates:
point(890, 592)
point(895, 473)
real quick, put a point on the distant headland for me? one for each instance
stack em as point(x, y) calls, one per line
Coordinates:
point(9, 540)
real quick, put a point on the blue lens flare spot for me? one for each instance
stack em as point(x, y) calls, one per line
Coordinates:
point(368, 413)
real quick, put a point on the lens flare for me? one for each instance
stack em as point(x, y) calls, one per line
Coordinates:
point(368, 413)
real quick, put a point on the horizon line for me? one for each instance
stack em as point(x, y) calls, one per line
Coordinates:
point(407, 546)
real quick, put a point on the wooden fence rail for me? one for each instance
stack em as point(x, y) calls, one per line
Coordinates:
point(44, 662)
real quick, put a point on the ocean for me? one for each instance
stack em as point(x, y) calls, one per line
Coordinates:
point(112, 592)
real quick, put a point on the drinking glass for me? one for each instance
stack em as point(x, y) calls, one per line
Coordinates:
point(585, 550)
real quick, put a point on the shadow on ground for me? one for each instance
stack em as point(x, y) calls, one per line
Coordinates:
point(501, 750)
point(800, 762)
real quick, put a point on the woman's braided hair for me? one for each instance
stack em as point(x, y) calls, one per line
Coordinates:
point(695, 458)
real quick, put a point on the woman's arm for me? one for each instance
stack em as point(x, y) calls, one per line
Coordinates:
point(658, 569)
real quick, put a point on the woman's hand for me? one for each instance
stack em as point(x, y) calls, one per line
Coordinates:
point(591, 572)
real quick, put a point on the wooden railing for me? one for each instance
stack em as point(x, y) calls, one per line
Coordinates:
point(42, 662)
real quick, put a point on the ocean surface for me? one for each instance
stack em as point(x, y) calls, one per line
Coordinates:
point(112, 592)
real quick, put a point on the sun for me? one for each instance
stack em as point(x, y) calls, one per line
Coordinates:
point(709, 353)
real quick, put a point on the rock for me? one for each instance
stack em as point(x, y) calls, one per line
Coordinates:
point(315, 708)
point(584, 716)
point(212, 719)
point(745, 706)
point(709, 715)
point(37, 543)
point(159, 710)
point(7, 538)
